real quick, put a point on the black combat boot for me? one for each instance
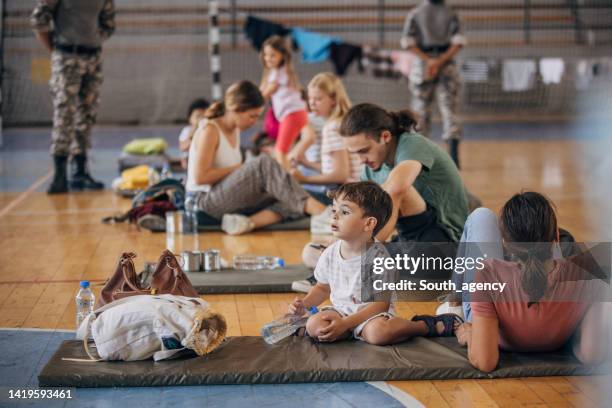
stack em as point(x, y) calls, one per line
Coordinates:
point(81, 179)
point(60, 182)
point(453, 151)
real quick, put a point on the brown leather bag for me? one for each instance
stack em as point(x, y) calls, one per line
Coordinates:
point(168, 278)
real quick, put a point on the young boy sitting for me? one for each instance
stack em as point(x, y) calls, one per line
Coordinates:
point(359, 211)
point(195, 113)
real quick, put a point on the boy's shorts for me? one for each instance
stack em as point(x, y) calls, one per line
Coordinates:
point(357, 330)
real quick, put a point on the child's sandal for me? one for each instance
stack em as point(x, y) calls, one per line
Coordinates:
point(447, 319)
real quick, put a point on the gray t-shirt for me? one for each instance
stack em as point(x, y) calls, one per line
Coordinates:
point(75, 22)
point(431, 25)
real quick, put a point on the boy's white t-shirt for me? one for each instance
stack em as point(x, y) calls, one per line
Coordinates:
point(344, 277)
point(183, 136)
point(286, 99)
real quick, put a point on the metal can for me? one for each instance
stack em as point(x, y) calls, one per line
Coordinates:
point(211, 260)
point(192, 261)
point(174, 222)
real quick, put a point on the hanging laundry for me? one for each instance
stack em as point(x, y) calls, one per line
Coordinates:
point(475, 71)
point(379, 63)
point(314, 46)
point(584, 74)
point(551, 70)
point(402, 62)
point(518, 75)
point(258, 31)
point(342, 56)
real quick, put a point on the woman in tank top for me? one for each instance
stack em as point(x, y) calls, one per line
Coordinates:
point(243, 196)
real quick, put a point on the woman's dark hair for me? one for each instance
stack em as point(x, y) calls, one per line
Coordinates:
point(526, 218)
point(373, 120)
point(239, 97)
point(199, 103)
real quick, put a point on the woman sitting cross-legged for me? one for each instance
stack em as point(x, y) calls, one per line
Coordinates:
point(244, 196)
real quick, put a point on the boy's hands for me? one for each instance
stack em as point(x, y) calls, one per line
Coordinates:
point(297, 307)
point(334, 330)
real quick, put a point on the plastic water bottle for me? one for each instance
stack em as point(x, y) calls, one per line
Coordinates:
point(253, 262)
point(85, 300)
point(166, 173)
point(190, 224)
point(284, 327)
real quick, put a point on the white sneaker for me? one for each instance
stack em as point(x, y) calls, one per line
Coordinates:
point(447, 308)
point(320, 224)
point(236, 224)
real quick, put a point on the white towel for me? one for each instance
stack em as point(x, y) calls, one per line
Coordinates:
point(552, 70)
point(518, 74)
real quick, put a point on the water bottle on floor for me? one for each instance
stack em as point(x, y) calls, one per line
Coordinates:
point(286, 326)
point(253, 262)
point(190, 220)
point(85, 300)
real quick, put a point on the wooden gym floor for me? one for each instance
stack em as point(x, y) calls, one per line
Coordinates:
point(49, 243)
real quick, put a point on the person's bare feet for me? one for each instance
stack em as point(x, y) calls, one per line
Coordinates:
point(463, 331)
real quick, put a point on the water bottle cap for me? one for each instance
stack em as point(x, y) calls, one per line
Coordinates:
point(84, 284)
point(313, 310)
point(281, 262)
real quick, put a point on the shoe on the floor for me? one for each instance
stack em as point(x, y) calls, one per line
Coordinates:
point(303, 285)
point(236, 224)
point(320, 224)
point(152, 222)
point(446, 308)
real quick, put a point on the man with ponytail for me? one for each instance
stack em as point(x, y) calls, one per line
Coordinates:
point(548, 300)
point(429, 200)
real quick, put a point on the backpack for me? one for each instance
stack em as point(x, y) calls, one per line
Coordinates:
point(167, 195)
point(145, 326)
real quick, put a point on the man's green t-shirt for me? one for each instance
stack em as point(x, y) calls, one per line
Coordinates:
point(439, 182)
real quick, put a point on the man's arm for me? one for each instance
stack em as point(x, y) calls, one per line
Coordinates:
point(397, 185)
point(41, 22)
point(106, 19)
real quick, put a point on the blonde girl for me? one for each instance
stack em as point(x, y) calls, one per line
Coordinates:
point(328, 99)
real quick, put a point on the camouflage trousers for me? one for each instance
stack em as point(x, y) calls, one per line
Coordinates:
point(446, 87)
point(75, 88)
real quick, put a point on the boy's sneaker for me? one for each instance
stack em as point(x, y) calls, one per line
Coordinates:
point(445, 308)
point(236, 224)
point(152, 222)
point(303, 285)
point(320, 224)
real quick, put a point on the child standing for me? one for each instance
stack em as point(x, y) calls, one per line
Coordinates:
point(360, 210)
point(328, 99)
point(280, 83)
point(195, 113)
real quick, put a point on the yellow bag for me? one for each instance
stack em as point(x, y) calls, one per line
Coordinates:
point(136, 178)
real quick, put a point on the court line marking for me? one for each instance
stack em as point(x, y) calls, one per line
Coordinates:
point(27, 329)
point(25, 194)
point(51, 281)
point(401, 396)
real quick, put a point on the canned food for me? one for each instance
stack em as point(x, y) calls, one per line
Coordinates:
point(211, 260)
point(192, 261)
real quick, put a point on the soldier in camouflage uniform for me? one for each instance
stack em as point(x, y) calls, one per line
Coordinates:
point(73, 31)
point(432, 32)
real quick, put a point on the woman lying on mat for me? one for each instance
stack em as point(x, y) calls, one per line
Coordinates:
point(359, 211)
point(227, 189)
point(547, 300)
